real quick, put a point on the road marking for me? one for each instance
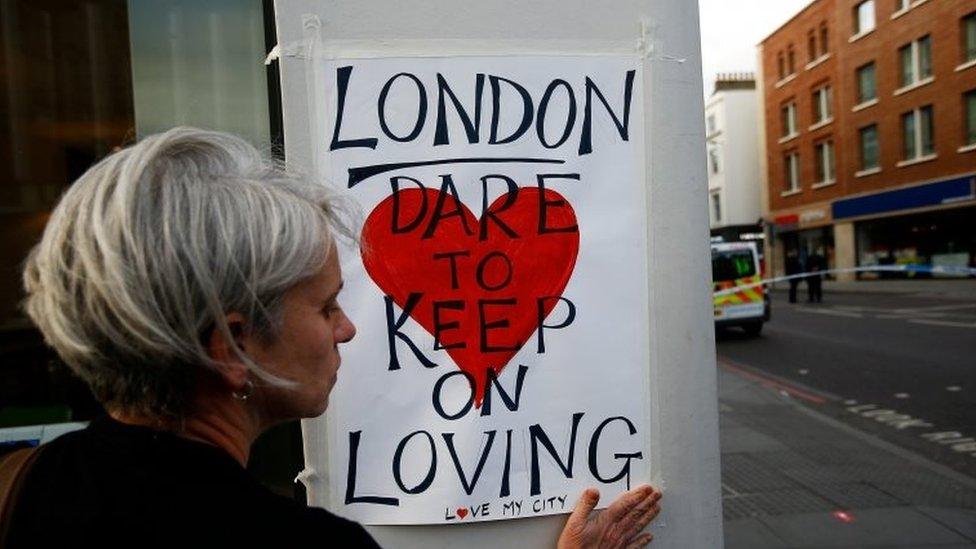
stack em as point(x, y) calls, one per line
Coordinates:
point(889, 417)
point(902, 395)
point(954, 440)
point(803, 372)
point(943, 323)
point(830, 312)
point(953, 388)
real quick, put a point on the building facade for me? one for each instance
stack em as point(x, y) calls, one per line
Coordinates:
point(869, 130)
point(732, 157)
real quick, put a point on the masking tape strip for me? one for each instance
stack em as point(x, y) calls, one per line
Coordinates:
point(645, 46)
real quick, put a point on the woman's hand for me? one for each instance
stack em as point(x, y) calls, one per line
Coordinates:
point(617, 526)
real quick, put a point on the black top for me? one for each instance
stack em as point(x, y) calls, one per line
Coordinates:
point(114, 484)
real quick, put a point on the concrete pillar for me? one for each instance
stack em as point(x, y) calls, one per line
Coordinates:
point(845, 252)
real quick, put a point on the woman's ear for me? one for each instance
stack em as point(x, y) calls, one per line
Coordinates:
point(230, 367)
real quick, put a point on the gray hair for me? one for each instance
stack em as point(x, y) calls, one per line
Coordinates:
point(150, 249)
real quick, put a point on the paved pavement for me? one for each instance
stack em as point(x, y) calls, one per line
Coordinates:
point(792, 477)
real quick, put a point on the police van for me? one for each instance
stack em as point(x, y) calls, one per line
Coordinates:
point(736, 266)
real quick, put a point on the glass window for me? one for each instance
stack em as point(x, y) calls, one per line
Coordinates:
point(79, 80)
point(791, 165)
point(918, 127)
point(732, 264)
point(907, 73)
point(824, 39)
point(870, 151)
point(710, 123)
point(866, 84)
point(909, 149)
point(193, 63)
point(790, 59)
point(864, 17)
point(915, 59)
point(825, 161)
point(713, 161)
point(788, 119)
point(924, 47)
point(970, 108)
point(969, 37)
point(781, 65)
point(821, 104)
point(926, 131)
point(811, 45)
point(902, 5)
point(717, 206)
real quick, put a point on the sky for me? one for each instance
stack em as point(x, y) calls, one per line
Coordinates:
point(731, 29)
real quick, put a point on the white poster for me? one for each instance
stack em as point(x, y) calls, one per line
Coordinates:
point(501, 363)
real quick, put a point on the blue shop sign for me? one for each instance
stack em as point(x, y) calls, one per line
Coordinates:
point(932, 194)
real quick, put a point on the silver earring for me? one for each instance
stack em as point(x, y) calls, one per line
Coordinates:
point(245, 392)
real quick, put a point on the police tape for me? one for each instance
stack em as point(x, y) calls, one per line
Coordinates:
point(907, 268)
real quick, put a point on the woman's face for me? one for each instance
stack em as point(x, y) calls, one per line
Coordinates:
point(307, 347)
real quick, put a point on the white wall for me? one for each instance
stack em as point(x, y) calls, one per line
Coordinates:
point(739, 179)
point(679, 283)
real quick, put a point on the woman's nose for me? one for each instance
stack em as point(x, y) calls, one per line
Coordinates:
point(347, 330)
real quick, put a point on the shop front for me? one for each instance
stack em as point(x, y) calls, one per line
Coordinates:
point(803, 232)
point(944, 238)
point(929, 225)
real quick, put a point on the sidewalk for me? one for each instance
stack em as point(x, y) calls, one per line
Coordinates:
point(944, 288)
point(794, 478)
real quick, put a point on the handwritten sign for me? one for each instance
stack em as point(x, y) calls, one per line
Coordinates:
point(499, 288)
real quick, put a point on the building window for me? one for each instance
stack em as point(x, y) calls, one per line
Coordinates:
point(713, 160)
point(916, 61)
point(917, 133)
point(710, 124)
point(717, 206)
point(870, 150)
point(811, 45)
point(867, 88)
point(790, 59)
point(824, 39)
point(791, 164)
point(788, 119)
point(968, 32)
point(781, 65)
point(821, 105)
point(902, 5)
point(825, 161)
point(864, 17)
point(969, 101)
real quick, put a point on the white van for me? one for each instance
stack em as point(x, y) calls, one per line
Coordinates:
point(734, 266)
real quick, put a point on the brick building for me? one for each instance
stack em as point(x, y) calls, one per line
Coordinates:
point(868, 121)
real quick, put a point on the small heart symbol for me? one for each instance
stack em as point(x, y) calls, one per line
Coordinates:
point(462, 512)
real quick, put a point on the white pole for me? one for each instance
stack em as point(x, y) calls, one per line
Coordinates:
point(682, 340)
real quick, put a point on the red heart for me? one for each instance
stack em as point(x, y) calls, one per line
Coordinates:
point(403, 262)
point(462, 512)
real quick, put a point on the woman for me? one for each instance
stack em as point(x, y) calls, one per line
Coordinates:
point(194, 287)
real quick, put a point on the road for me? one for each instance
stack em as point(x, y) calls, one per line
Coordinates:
point(900, 367)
